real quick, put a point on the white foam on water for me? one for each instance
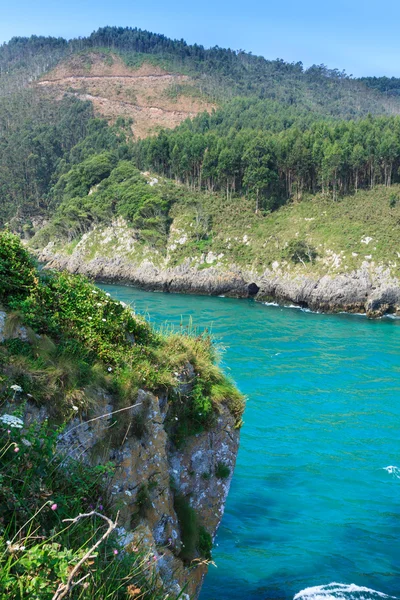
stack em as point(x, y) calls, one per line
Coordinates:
point(393, 470)
point(339, 591)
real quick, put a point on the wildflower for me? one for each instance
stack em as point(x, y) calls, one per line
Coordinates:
point(101, 507)
point(12, 421)
point(53, 506)
point(99, 304)
point(8, 431)
point(95, 292)
point(29, 395)
point(109, 369)
point(14, 547)
point(107, 294)
point(135, 548)
point(16, 449)
point(16, 388)
point(104, 320)
point(115, 551)
point(75, 408)
point(90, 318)
point(176, 419)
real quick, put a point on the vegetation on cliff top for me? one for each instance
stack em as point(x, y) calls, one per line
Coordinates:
point(76, 340)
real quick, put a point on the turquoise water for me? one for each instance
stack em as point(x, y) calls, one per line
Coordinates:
point(311, 502)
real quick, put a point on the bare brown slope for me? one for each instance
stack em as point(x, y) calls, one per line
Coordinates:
point(151, 96)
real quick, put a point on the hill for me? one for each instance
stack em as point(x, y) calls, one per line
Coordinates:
point(241, 149)
point(149, 97)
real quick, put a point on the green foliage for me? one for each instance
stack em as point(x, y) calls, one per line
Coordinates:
point(205, 543)
point(299, 251)
point(272, 166)
point(221, 73)
point(222, 471)
point(18, 277)
point(393, 199)
point(38, 489)
point(195, 538)
point(87, 338)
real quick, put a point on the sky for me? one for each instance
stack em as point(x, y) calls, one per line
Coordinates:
point(360, 36)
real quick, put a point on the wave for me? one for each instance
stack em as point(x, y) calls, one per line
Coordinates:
point(339, 591)
point(296, 306)
point(393, 470)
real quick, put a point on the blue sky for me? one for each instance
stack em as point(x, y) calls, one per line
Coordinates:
point(360, 36)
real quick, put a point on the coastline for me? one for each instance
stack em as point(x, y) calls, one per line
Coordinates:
point(373, 292)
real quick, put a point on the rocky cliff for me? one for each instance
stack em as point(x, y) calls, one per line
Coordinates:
point(118, 258)
point(153, 478)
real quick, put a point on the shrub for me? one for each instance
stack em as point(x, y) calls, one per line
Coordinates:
point(393, 199)
point(299, 251)
point(205, 543)
point(189, 527)
point(37, 549)
point(195, 538)
point(222, 471)
point(18, 275)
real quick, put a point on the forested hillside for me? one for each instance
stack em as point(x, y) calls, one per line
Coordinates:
point(279, 134)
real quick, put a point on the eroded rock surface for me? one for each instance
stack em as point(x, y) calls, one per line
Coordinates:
point(368, 290)
point(150, 471)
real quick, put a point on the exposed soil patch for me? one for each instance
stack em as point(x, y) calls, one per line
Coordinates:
point(152, 97)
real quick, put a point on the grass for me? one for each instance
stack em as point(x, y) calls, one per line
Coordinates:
point(222, 471)
point(38, 548)
point(195, 538)
point(332, 228)
point(333, 233)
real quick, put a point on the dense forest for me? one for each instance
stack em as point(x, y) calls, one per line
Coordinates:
point(224, 73)
point(39, 138)
point(335, 158)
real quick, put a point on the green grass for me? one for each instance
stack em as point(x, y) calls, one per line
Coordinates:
point(192, 224)
point(38, 548)
point(331, 228)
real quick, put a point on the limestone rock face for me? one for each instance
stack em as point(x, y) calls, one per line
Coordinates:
point(369, 290)
point(150, 471)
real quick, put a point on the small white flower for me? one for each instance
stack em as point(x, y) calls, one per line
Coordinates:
point(16, 388)
point(95, 292)
point(12, 421)
point(99, 304)
point(75, 407)
point(90, 318)
point(176, 419)
point(109, 369)
point(29, 395)
point(107, 294)
point(104, 320)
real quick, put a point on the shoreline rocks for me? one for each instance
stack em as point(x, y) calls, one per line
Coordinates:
point(373, 292)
